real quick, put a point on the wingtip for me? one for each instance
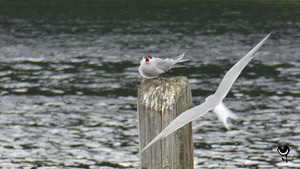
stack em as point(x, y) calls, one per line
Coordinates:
point(143, 149)
point(267, 36)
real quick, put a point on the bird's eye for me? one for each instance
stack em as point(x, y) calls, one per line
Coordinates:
point(150, 57)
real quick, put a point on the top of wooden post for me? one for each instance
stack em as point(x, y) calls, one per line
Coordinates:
point(160, 101)
point(166, 89)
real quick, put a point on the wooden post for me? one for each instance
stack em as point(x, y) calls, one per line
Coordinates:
point(159, 102)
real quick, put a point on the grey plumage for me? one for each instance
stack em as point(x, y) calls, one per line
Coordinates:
point(151, 67)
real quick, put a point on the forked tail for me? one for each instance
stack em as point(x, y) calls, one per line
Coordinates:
point(179, 59)
point(224, 113)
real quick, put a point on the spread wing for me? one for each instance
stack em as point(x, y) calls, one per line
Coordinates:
point(180, 121)
point(236, 70)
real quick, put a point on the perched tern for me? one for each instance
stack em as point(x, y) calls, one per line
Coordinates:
point(212, 102)
point(152, 67)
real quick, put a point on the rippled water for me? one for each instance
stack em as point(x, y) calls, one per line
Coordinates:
point(68, 80)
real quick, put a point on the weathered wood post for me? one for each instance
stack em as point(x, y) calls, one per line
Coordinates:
point(159, 102)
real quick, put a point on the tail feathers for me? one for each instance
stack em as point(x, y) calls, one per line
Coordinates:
point(179, 58)
point(224, 113)
point(183, 60)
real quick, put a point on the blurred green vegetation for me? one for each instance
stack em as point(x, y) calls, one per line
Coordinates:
point(136, 9)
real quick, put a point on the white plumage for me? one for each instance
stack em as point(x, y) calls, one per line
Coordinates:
point(151, 67)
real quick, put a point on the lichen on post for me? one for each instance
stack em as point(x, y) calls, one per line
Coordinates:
point(160, 101)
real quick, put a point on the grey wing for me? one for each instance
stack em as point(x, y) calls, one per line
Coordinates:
point(180, 121)
point(235, 71)
point(164, 65)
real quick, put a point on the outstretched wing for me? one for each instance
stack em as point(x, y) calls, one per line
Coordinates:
point(180, 121)
point(235, 71)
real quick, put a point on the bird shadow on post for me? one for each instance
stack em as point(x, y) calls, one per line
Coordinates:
point(160, 101)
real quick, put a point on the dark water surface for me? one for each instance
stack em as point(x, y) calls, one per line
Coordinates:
point(68, 79)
